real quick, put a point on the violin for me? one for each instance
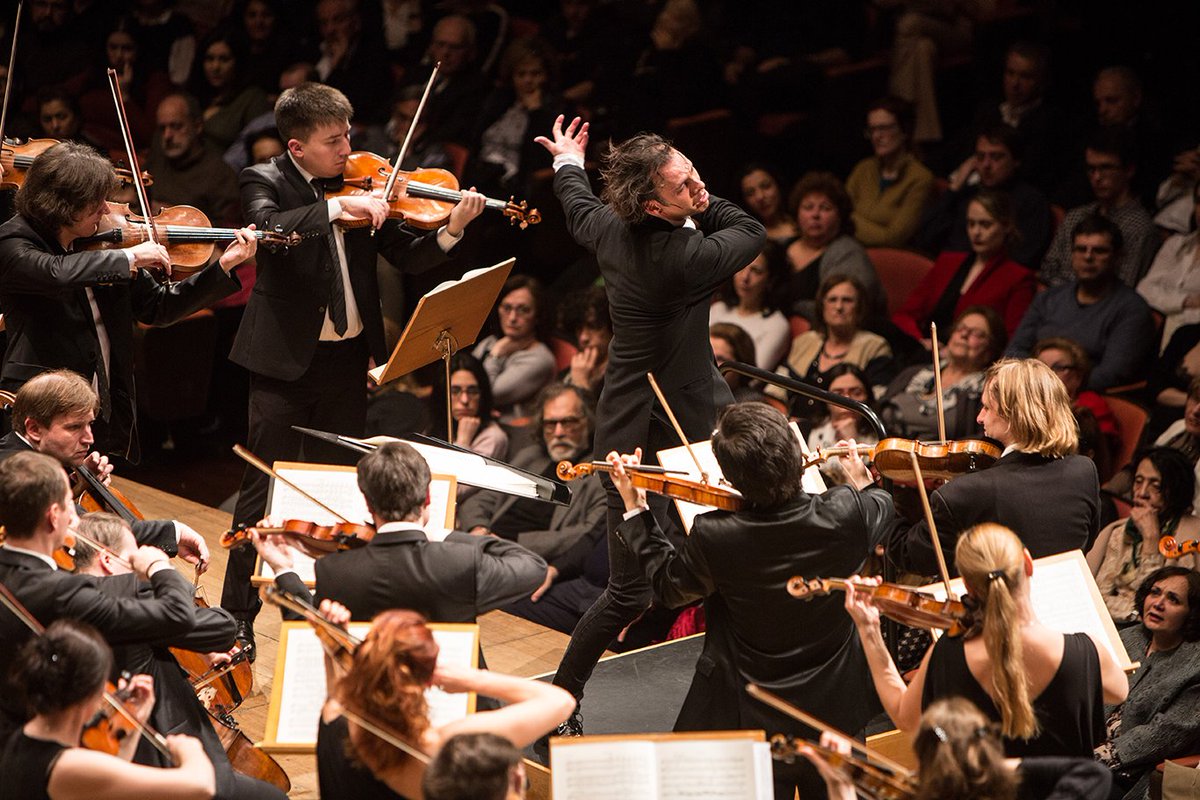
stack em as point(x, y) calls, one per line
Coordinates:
point(870, 780)
point(1171, 548)
point(942, 461)
point(421, 197)
point(657, 481)
point(339, 643)
point(185, 231)
point(907, 606)
point(319, 538)
point(17, 157)
point(97, 496)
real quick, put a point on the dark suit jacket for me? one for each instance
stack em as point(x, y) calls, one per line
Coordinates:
point(158, 533)
point(450, 581)
point(1053, 504)
point(660, 280)
point(51, 594)
point(739, 563)
point(286, 309)
point(49, 319)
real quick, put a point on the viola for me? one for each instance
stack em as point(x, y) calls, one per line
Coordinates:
point(185, 231)
point(422, 197)
point(1172, 548)
point(339, 643)
point(660, 482)
point(870, 780)
point(942, 461)
point(97, 496)
point(907, 606)
point(17, 157)
point(319, 538)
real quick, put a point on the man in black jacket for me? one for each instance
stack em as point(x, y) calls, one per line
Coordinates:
point(740, 562)
point(75, 310)
point(664, 246)
point(314, 317)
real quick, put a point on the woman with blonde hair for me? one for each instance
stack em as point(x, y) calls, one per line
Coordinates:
point(1046, 689)
point(1040, 486)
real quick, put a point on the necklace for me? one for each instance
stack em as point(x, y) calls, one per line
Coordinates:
point(833, 356)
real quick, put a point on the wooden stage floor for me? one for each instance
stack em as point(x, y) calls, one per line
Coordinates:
point(511, 644)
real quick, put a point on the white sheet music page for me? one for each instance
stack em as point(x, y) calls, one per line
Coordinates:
point(604, 771)
point(716, 769)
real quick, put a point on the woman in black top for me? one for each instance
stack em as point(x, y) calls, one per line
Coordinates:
point(62, 674)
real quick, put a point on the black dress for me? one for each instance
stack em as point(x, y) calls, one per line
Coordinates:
point(1070, 710)
point(1061, 778)
point(25, 766)
point(338, 775)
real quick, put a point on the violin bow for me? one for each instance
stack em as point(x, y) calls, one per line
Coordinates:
point(412, 126)
point(381, 732)
point(18, 610)
point(937, 383)
point(12, 62)
point(285, 599)
point(114, 84)
point(95, 545)
point(933, 533)
point(675, 423)
point(779, 704)
point(258, 464)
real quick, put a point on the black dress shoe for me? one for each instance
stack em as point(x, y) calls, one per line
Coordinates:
point(245, 638)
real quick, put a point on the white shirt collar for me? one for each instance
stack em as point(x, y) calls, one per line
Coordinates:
point(42, 556)
point(389, 527)
point(308, 176)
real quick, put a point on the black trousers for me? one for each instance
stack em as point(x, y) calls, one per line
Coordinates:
point(330, 396)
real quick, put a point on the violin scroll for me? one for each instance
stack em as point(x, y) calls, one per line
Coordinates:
point(569, 472)
point(1170, 547)
point(803, 589)
point(520, 214)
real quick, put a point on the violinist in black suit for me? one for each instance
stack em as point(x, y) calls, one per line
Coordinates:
point(177, 709)
point(75, 310)
point(1040, 488)
point(739, 563)
point(314, 317)
point(664, 246)
point(53, 414)
point(38, 512)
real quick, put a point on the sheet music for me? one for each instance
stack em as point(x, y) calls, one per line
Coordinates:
point(678, 458)
point(297, 706)
point(681, 769)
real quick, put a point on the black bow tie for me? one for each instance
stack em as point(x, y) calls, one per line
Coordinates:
point(328, 186)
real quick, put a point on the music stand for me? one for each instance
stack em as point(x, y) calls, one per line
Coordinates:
point(447, 319)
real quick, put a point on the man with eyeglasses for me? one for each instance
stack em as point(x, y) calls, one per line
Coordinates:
point(566, 536)
point(1108, 319)
point(1111, 166)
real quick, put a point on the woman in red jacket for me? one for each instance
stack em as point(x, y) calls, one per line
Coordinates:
point(986, 276)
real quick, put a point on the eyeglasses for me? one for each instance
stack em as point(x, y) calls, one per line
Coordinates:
point(569, 423)
point(469, 391)
point(520, 310)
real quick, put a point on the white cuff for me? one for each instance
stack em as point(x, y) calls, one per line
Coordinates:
point(628, 515)
point(158, 566)
point(178, 531)
point(446, 240)
point(129, 254)
point(567, 159)
point(333, 208)
point(285, 571)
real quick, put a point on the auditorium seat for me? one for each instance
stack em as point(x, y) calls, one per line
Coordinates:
point(899, 272)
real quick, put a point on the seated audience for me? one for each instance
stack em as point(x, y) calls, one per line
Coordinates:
point(1045, 689)
point(763, 198)
point(476, 766)
point(518, 361)
point(268, 49)
point(1175, 202)
point(1126, 551)
point(474, 427)
point(826, 246)
point(59, 117)
point(451, 112)
point(353, 59)
point(1071, 364)
point(1157, 721)
point(909, 405)
point(984, 276)
point(141, 88)
point(1172, 285)
point(184, 170)
point(748, 301)
point(224, 90)
point(890, 188)
point(1107, 318)
point(584, 317)
point(1170, 376)
point(837, 338)
point(731, 342)
point(1111, 164)
point(848, 381)
point(999, 153)
point(1182, 435)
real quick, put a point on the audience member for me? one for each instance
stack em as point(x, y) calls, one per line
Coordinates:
point(423, 152)
point(1119, 97)
point(59, 117)
point(1106, 317)
point(999, 152)
point(1175, 202)
point(1182, 435)
point(890, 188)
point(836, 338)
point(826, 246)
point(849, 381)
point(583, 316)
point(461, 87)
point(762, 197)
point(474, 426)
point(267, 49)
point(1172, 284)
point(166, 42)
point(1170, 376)
point(142, 89)
point(184, 170)
point(1111, 165)
point(222, 86)
point(1071, 364)
point(984, 276)
point(51, 50)
point(518, 361)
point(731, 342)
point(748, 301)
point(975, 340)
point(1126, 552)
point(353, 60)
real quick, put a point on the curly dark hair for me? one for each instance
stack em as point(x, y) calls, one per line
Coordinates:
point(1191, 625)
point(630, 170)
point(759, 454)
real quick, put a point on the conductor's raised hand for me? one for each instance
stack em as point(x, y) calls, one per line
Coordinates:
point(572, 141)
point(634, 497)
